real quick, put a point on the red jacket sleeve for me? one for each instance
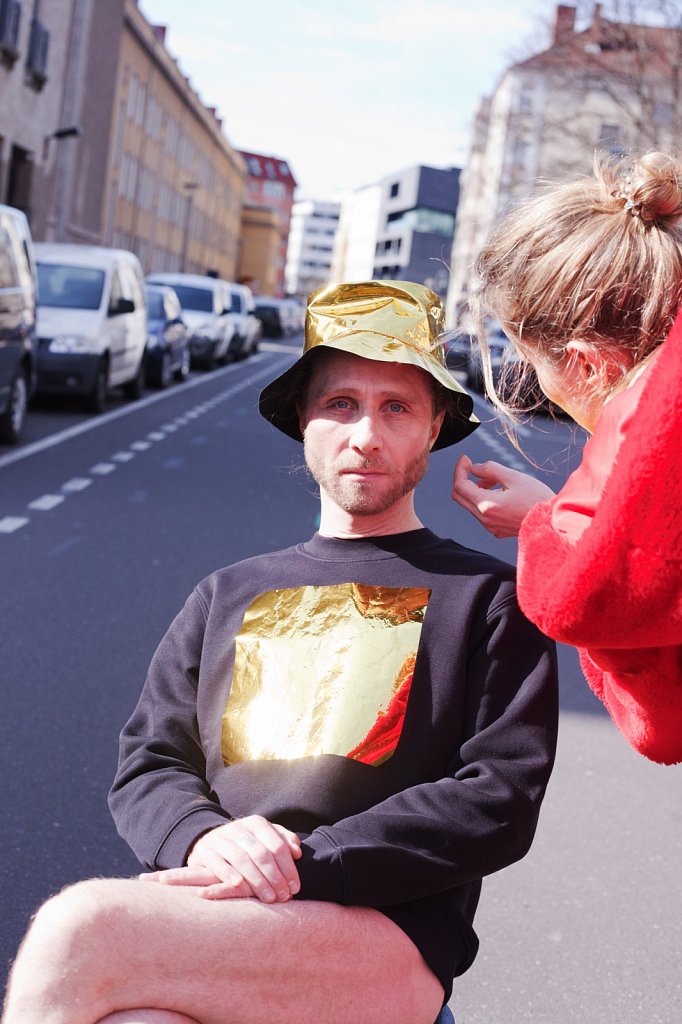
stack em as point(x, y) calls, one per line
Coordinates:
point(617, 592)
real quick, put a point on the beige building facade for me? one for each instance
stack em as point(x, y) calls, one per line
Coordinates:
point(121, 150)
point(606, 86)
point(259, 249)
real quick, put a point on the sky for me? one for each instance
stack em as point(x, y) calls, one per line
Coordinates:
point(351, 91)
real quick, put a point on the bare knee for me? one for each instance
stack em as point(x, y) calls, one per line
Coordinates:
point(73, 925)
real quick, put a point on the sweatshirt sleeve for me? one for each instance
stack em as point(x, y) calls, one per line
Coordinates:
point(474, 821)
point(160, 800)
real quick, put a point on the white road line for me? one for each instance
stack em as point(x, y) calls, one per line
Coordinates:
point(47, 502)
point(116, 414)
point(11, 523)
point(77, 484)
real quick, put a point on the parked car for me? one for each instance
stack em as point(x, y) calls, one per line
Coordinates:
point(499, 347)
point(167, 352)
point(92, 322)
point(248, 326)
point(504, 361)
point(207, 310)
point(458, 348)
point(17, 322)
point(279, 317)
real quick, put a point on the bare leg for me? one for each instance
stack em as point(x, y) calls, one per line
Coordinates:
point(147, 1017)
point(110, 945)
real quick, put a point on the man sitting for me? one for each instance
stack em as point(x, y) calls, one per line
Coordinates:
point(335, 742)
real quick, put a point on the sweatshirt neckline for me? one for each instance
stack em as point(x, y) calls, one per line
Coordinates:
point(393, 545)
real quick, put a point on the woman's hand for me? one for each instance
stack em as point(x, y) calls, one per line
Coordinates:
point(498, 497)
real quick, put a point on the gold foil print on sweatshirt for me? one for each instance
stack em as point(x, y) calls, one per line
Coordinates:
point(323, 670)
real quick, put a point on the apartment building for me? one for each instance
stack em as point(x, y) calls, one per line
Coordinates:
point(311, 242)
point(605, 86)
point(34, 51)
point(399, 228)
point(259, 247)
point(270, 183)
point(121, 149)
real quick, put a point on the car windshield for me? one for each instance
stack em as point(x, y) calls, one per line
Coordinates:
point(69, 287)
point(155, 305)
point(194, 298)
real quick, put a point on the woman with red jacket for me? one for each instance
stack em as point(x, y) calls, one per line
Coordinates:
point(586, 279)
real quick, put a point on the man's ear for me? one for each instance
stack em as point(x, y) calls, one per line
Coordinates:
point(436, 424)
point(302, 421)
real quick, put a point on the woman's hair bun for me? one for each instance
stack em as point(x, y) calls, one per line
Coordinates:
point(648, 187)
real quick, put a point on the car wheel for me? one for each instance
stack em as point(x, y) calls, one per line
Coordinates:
point(165, 373)
point(13, 419)
point(132, 389)
point(97, 399)
point(182, 372)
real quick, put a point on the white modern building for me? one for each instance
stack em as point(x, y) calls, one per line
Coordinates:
point(312, 230)
point(399, 228)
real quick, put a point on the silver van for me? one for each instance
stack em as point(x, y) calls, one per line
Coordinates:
point(17, 322)
point(92, 321)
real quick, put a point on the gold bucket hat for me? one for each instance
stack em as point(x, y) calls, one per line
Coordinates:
point(387, 321)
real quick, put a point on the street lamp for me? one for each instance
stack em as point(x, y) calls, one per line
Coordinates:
point(61, 133)
point(63, 164)
point(190, 188)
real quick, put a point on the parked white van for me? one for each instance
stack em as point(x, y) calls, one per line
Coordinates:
point(92, 321)
point(206, 309)
point(17, 322)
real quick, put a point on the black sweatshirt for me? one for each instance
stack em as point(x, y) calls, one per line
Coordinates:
point(288, 687)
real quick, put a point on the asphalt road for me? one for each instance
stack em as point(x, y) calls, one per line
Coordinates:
point(106, 524)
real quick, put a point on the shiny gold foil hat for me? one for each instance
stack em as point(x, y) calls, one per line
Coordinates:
point(387, 321)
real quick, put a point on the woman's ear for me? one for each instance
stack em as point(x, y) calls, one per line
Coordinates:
point(588, 359)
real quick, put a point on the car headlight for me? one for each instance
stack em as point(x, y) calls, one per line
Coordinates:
point(204, 332)
point(70, 343)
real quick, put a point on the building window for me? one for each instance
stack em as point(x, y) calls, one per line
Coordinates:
point(273, 189)
point(611, 138)
point(38, 45)
point(395, 189)
point(10, 18)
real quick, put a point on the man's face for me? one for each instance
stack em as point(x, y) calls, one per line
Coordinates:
point(368, 428)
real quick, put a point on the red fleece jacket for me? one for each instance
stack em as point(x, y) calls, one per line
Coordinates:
point(615, 593)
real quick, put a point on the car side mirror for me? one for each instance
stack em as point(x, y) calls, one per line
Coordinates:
point(122, 306)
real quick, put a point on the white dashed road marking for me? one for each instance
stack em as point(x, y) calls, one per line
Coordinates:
point(9, 524)
point(78, 484)
point(47, 502)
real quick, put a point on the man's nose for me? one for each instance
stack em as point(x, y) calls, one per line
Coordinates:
point(365, 434)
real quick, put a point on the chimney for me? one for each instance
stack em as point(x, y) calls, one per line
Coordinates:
point(564, 24)
point(159, 32)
